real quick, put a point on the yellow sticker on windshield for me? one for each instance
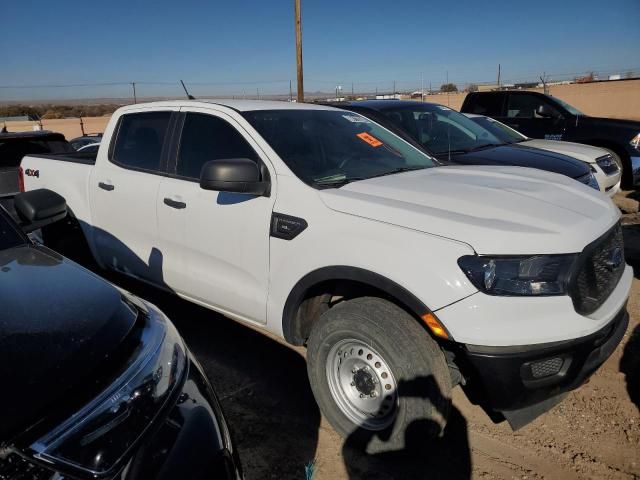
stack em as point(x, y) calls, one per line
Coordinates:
point(370, 139)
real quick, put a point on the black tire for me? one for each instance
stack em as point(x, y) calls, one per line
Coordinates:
point(416, 362)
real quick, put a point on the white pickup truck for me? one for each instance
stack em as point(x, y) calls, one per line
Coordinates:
point(402, 278)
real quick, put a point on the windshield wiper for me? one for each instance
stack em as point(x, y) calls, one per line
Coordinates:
point(398, 170)
point(486, 145)
point(335, 181)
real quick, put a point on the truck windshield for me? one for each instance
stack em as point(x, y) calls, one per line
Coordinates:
point(499, 129)
point(440, 129)
point(328, 148)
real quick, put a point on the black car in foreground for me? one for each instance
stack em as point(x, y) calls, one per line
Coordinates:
point(455, 139)
point(96, 383)
point(543, 116)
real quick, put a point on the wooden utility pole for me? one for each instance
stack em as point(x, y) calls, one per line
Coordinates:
point(498, 76)
point(299, 51)
point(133, 84)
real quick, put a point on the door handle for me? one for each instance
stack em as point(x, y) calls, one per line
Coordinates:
point(174, 203)
point(106, 186)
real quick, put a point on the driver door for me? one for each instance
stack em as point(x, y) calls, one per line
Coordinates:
point(216, 244)
point(522, 116)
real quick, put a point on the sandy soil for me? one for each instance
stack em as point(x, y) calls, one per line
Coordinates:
point(262, 383)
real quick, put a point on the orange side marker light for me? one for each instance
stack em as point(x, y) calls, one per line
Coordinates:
point(434, 325)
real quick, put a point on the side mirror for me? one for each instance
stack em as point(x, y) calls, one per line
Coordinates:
point(546, 111)
point(39, 208)
point(237, 175)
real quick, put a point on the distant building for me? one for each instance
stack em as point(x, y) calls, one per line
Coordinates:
point(615, 77)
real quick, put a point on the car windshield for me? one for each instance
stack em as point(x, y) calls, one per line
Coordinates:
point(499, 129)
point(9, 236)
point(570, 108)
point(440, 129)
point(329, 148)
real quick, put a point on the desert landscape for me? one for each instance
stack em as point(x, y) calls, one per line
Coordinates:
point(616, 99)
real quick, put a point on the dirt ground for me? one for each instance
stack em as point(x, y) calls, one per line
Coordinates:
point(262, 383)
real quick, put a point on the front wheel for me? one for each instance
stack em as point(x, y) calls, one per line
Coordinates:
point(377, 375)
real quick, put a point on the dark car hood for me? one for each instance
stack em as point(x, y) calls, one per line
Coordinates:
point(59, 323)
point(523, 156)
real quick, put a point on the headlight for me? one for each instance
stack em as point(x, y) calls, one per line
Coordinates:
point(532, 275)
point(635, 142)
point(96, 438)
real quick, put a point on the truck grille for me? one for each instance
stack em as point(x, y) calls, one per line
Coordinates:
point(598, 271)
point(607, 164)
point(14, 467)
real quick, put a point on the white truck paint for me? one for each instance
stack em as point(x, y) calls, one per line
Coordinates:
point(409, 228)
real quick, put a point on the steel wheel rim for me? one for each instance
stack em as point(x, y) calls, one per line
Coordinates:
point(362, 384)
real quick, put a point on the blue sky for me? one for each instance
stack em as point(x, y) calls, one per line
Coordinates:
point(243, 45)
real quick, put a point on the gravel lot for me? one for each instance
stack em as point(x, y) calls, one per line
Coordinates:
point(262, 383)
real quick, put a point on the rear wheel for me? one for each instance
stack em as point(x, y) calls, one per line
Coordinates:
point(377, 375)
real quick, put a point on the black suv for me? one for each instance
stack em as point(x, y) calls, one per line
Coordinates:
point(542, 116)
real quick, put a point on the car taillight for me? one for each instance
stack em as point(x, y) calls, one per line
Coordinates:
point(21, 179)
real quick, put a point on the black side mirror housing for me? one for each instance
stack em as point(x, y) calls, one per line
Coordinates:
point(546, 111)
point(237, 175)
point(38, 208)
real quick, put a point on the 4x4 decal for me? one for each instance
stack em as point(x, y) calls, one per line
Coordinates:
point(32, 173)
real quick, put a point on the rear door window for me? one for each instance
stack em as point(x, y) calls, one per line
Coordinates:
point(486, 104)
point(205, 138)
point(140, 139)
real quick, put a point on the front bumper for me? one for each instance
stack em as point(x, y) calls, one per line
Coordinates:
point(522, 382)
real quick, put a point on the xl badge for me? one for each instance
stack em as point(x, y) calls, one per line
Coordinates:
point(616, 259)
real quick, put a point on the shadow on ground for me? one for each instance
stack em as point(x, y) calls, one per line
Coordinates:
point(261, 383)
point(630, 366)
point(448, 457)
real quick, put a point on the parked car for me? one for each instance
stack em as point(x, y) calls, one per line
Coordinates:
point(97, 382)
point(542, 116)
point(90, 148)
point(88, 139)
point(454, 139)
point(602, 164)
point(14, 146)
point(401, 277)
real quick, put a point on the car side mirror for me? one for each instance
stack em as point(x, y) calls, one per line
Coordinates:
point(38, 208)
point(546, 111)
point(237, 175)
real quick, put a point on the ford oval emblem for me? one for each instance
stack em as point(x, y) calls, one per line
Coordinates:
point(616, 259)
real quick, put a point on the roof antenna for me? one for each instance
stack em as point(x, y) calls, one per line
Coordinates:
point(189, 96)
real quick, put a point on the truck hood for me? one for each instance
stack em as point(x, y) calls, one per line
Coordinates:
point(580, 151)
point(59, 325)
point(524, 156)
point(496, 210)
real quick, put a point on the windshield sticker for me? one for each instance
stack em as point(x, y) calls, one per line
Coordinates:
point(356, 119)
point(370, 139)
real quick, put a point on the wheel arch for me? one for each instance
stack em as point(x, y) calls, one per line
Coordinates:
point(312, 287)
